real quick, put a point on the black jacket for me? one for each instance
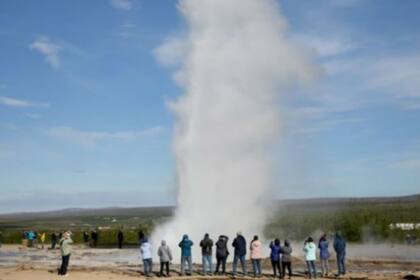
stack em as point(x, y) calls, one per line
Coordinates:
point(206, 246)
point(221, 247)
point(239, 243)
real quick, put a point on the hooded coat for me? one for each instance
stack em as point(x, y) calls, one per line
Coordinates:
point(206, 246)
point(324, 254)
point(275, 252)
point(221, 247)
point(146, 250)
point(164, 253)
point(339, 244)
point(286, 252)
point(185, 246)
point(310, 251)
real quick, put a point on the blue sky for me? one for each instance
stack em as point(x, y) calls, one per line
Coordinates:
point(84, 116)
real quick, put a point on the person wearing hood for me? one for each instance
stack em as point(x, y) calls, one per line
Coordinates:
point(340, 250)
point(310, 256)
point(275, 256)
point(185, 246)
point(165, 255)
point(256, 255)
point(65, 249)
point(146, 253)
point(286, 259)
point(239, 243)
point(222, 253)
point(324, 254)
point(207, 251)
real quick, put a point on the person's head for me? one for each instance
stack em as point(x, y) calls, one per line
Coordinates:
point(206, 235)
point(255, 237)
point(286, 243)
point(145, 239)
point(185, 236)
point(310, 239)
point(239, 233)
point(277, 242)
point(163, 242)
point(323, 237)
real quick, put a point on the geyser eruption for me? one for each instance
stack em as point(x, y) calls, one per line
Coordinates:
point(234, 62)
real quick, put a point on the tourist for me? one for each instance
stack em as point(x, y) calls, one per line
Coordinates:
point(239, 243)
point(146, 253)
point(186, 245)
point(53, 240)
point(286, 259)
point(120, 237)
point(86, 238)
point(275, 257)
point(207, 251)
point(340, 250)
point(94, 236)
point(310, 256)
point(65, 248)
point(165, 255)
point(221, 253)
point(324, 254)
point(256, 255)
point(42, 238)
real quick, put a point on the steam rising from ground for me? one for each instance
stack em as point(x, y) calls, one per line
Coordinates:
point(234, 62)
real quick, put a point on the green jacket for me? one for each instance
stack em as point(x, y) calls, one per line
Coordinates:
point(65, 246)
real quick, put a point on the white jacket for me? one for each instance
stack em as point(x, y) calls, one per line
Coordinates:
point(146, 250)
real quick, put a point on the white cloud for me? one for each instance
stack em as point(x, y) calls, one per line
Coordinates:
point(171, 52)
point(20, 103)
point(91, 138)
point(32, 116)
point(125, 5)
point(48, 49)
point(326, 46)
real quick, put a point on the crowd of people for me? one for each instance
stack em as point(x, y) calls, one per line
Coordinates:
point(280, 254)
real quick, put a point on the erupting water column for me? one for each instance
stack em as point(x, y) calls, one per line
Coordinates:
point(235, 61)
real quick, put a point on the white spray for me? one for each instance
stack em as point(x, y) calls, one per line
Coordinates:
point(235, 62)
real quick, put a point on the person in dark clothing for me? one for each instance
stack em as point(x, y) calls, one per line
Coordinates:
point(340, 250)
point(239, 243)
point(141, 236)
point(86, 237)
point(222, 253)
point(207, 251)
point(53, 240)
point(120, 238)
point(286, 260)
point(94, 237)
point(275, 257)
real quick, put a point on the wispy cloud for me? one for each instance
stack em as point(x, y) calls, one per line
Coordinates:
point(20, 103)
point(90, 139)
point(127, 30)
point(32, 116)
point(125, 5)
point(48, 49)
point(326, 46)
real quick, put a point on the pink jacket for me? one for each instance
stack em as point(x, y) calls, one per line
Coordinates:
point(256, 248)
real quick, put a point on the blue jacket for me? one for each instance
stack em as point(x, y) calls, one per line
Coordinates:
point(185, 245)
point(339, 245)
point(324, 254)
point(275, 252)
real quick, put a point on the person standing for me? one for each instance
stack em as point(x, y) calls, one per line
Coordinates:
point(86, 238)
point(65, 248)
point(42, 238)
point(185, 246)
point(286, 259)
point(120, 237)
point(53, 240)
point(256, 255)
point(207, 251)
point(146, 253)
point(340, 250)
point(165, 255)
point(275, 257)
point(94, 237)
point(222, 253)
point(239, 243)
point(310, 256)
point(324, 254)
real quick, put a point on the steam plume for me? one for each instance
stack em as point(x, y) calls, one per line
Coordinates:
point(234, 63)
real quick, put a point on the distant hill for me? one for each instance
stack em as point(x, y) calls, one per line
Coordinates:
point(164, 211)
